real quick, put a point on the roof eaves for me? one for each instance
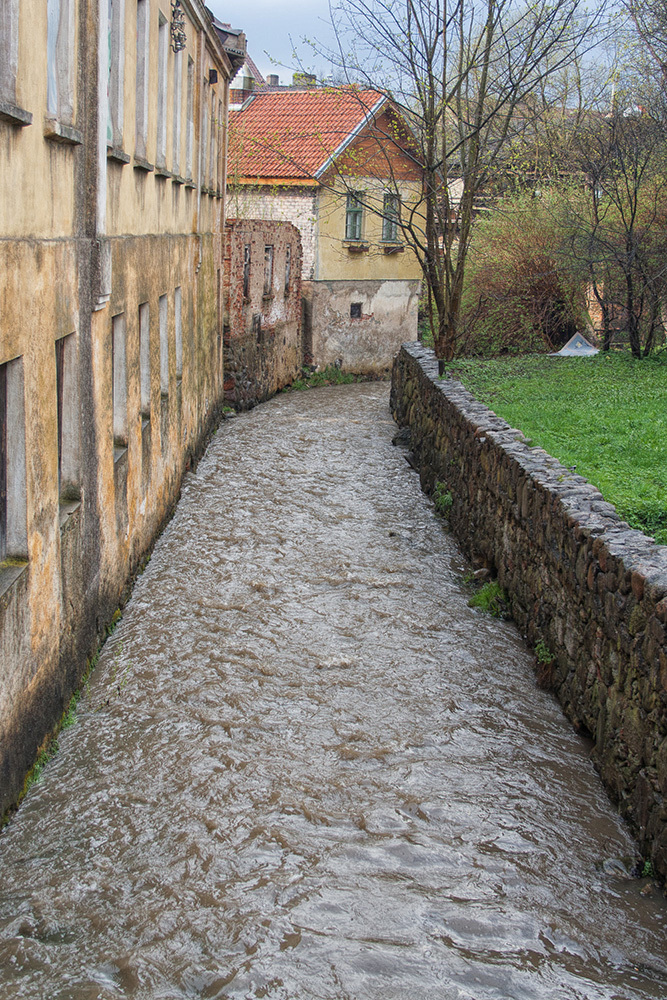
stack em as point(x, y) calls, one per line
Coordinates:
point(350, 138)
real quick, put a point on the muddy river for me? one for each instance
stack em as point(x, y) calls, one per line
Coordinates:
point(305, 769)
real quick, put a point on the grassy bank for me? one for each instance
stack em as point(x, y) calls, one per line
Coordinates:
point(606, 415)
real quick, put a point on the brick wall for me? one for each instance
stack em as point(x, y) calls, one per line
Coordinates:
point(579, 579)
point(290, 204)
point(262, 329)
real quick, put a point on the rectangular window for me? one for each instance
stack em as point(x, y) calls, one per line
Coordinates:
point(288, 268)
point(212, 154)
point(119, 377)
point(116, 74)
point(203, 139)
point(9, 47)
point(178, 101)
point(268, 270)
point(162, 64)
point(355, 310)
point(178, 332)
point(246, 271)
point(141, 116)
point(67, 396)
point(190, 120)
point(220, 134)
point(164, 345)
point(13, 528)
point(391, 210)
point(353, 215)
point(145, 359)
point(60, 60)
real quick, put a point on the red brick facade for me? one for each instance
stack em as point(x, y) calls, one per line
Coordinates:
point(261, 309)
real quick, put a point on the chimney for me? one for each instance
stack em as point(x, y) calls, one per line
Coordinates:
point(273, 80)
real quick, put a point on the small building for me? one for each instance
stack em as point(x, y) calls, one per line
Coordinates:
point(261, 309)
point(338, 163)
point(113, 123)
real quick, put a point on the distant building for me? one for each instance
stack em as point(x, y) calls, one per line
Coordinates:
point(112, 156)
point(339, 164)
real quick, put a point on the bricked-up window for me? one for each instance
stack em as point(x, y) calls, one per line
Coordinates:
point(355, 310)
point(164, 344)
point(246, 271)
point(13, 533)
point(60, 60)
point(354, 214)
point(67, 396)
point(9, 42)
point(391, 210)
point(288, 268)
point(144, 359)
point(178, 331)
point(141, 116)
point(119, 377)
point(178, 100)
point(268, 270)
point(116, 28)
point(190, 120)
point(162, 65)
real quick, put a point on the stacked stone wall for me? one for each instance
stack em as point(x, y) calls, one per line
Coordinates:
point(579, 580)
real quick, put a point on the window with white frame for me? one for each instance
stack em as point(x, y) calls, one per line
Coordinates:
point(13, 525)
point(354, 213)
point(391, 213)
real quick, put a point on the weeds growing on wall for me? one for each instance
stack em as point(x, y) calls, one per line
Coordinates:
point(603, 417)
point(443, 499)
point(331, 375)
point(492, 599)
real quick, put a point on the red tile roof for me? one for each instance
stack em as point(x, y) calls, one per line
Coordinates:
point(292, 133)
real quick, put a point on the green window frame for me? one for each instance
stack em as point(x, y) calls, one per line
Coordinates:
point(354, 213)
point(391, 213)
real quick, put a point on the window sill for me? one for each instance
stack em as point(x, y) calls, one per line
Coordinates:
point(163, 173)
point(14, 115)
point(67, 509)
point(177, 179)
point(356, 247)
point(117, 155)
point(141, 164)
point(10, 571)
point(66, 135)
point(394, 248)
point(189, 183)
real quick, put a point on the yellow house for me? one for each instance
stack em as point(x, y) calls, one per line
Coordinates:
point(112, 156)
point(338, 163)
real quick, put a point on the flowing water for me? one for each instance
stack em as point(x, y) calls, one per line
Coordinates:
point(305, 769)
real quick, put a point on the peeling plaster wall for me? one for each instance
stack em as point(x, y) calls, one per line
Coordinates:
point(367, 344)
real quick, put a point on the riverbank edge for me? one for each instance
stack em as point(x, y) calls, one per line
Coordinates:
point(581, 583)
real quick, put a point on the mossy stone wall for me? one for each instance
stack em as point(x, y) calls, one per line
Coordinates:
point(578, 578)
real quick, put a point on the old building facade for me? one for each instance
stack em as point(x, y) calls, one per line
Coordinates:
point(112, 155)
point(338, 164)
point(263, 351)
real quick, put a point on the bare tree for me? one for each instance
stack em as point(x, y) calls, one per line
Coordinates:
point(469, 76)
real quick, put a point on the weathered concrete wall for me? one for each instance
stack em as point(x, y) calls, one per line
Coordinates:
point(578, 578)
point(367, 343)
point(282, 203)
point(100, 234)
point(262, 328)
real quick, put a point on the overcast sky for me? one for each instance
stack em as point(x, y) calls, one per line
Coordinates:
point(270, 24)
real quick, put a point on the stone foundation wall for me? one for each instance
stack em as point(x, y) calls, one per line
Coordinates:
point(578, 578)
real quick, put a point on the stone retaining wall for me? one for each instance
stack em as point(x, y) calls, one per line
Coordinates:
point(578, 578)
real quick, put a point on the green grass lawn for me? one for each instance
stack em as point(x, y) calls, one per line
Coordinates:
point(606, 415)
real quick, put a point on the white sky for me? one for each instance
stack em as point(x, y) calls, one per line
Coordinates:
point(269, 25)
